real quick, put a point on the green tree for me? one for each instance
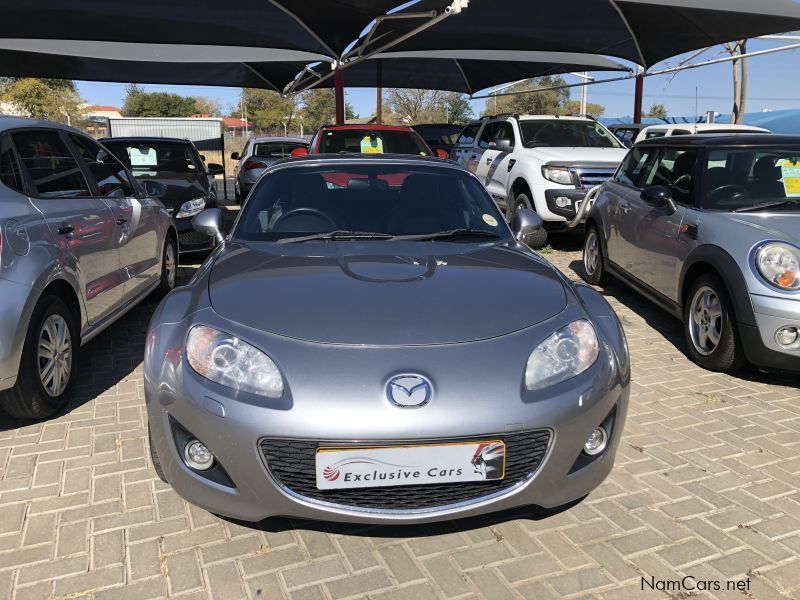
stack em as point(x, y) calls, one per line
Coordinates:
point(457, 108)
point(139, 103)
point(203, 105)
point(51, 99)
point(573, 107)
point(546, 102)
point(657, 110)
point(414, 106)
point(319, 108)
point(268, 111)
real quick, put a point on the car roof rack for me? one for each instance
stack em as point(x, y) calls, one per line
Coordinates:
point(498, 116)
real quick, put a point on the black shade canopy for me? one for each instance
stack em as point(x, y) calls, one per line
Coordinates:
point(642, 31)
point(466, 71)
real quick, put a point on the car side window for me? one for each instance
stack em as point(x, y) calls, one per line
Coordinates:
point(467, 136)
point(52, 168)
point(635, 166)
point(675, 170)
point(504, 131)
point(112, 178)
point(487, 135)
point(10, 173)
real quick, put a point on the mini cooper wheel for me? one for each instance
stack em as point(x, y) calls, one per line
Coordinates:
point(538, 238)
point(48, 362)
point(593, 266)
point(169, 268)
point(709, 326)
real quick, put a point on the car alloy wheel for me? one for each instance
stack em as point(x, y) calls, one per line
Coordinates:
point(55, 355)
point(169, 265)
point(591, 253)
point(706, 320)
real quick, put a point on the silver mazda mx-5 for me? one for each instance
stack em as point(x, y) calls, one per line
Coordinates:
point(372, 343)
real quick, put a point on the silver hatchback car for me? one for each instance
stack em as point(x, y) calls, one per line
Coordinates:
point(258, 154)
point(343, 355)
point(80, 244)
point(708, 227)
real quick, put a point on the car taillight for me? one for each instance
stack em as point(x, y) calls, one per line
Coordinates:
point(254, 164)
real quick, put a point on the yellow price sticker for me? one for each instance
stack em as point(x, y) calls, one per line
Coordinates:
point(370, 145)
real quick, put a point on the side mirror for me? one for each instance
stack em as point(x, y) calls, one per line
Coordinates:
point(501, 144)
point(659, 196)
point(525, 223)
point(442, 154)
point(234, 156)
point(215, 169)
point(154, 189)
point(203, 157)
point(209, 222)
point(299, 152)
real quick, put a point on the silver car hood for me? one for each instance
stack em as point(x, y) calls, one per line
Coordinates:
point(384, 293)
point(779, 225)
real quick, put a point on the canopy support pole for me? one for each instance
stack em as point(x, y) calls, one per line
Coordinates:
point(638, 97)
point(338, 79)
point(379, 99)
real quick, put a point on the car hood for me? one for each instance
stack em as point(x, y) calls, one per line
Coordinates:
point(181, 187)
point(776, 225)
point(384, 293)
point(578, 156)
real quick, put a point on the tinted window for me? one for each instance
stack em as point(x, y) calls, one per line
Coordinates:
point(378, 198)
point(370, 141)
point(467, 137)
point(438, 135)
point(654, 134)
point(566, 133)
point(9, 167)
point(675, 170)
point(276, 149)
point(52, 168)
point(635, 166)
point(487, 135)
point(111, 177)
point(151, 158)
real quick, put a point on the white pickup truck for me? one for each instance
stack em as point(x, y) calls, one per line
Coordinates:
point(543, 162)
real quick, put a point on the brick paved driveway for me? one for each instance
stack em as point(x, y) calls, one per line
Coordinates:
point(706, 484)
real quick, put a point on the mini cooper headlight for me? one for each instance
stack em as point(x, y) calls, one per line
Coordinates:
point(229, 361)
point(565, 354)
point(191, 208)
point(779, 264)
point(558, 175)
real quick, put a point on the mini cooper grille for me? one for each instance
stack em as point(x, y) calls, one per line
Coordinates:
point(292, 463)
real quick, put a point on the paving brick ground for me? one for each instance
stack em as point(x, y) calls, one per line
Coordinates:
point(706, 484)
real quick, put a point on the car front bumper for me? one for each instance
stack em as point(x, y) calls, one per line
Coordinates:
point(16, 308)
point(762, 349)
point(233, 426)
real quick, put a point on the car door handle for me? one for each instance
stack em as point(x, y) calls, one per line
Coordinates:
point(121, 221)
point(489, 160)
point(65, 229)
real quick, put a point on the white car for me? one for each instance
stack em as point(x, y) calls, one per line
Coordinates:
point(544, 162)
point(657, 131)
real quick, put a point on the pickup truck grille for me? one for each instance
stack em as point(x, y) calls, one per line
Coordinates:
point(588, 177)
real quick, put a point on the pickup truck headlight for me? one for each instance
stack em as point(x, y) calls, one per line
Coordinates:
point(191, 208)
point(558, 175)
point(565, 354)
point(229, 361)
point(779, 264)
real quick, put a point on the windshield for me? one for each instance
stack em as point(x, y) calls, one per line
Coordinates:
point(148, 159)
point(381, 199)
point(566, 133)
point(368, 141)
point(741, 178)
point(276, 149)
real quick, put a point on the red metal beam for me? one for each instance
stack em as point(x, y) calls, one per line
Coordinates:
point(339, 94)
point(637, 106)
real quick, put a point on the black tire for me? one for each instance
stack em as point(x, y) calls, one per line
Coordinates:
point(708, 315)
point(168, 278)
point(594, 269)
point(154, 457)
point(536, 240)
point(30, 398)
point(237, 196)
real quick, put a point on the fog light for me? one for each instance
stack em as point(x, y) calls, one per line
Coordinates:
point(787, 336)
point(197, 456)
point(563, 202)
point(596, 443)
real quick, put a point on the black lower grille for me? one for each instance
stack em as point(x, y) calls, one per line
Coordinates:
point(292, 463)
point(194, 238)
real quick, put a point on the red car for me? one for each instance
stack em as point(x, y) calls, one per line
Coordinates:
point(368, 139)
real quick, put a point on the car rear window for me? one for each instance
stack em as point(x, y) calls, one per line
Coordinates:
point(370, 141)
point(276, 149)
point(149, 158)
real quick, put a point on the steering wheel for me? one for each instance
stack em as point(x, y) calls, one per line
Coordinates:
point(305, 211)
point(728, 192)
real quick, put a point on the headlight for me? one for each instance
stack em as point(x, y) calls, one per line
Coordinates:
point(191, 208)
point(565, 354)
point(558, 175)
point(229, 361)
point(779, 264)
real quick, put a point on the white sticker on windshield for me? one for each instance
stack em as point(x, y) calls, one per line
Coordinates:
point(791, 178)
point(490, 220)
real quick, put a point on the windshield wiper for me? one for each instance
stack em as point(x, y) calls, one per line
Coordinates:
point(767, 206)
point(336, 236)
point(451, 234)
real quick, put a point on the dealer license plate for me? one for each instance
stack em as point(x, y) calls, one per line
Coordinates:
point(339, 468)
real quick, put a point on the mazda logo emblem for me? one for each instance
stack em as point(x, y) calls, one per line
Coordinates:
point(409, 391)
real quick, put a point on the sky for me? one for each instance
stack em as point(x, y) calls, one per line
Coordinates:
point(773, 85)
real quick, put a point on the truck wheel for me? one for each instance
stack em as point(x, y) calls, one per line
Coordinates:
point(536, 240)
point(709, 326)
point(593, 266)
point(48, 365)
point(169, 268)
